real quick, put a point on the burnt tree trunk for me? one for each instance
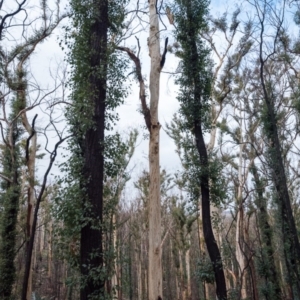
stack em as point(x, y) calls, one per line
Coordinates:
point(194, 61)
point(211, 244)
point(271, 275)
point(276, 165)
point(91, 253)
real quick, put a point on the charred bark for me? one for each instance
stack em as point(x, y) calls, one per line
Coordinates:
point(276, 165)
point(271, 276)
point(91, 251)
point(210, 241)
point(8, 235)
point(197, 101)
point(196, 113)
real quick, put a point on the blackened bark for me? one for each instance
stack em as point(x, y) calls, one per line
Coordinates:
point(193, 64)
point(271, 275)
point(210, 241)
point(289, 230)
point(91, 253)
point(8, 236)
point(212, 247)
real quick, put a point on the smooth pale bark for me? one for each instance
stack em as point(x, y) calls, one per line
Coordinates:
point(50, 253)
point(255, 295)
point(114, 279)
point(188, 274)
point(42, 236)
point(31, 160)
point(139, 274)
point(210, 147)
point(181, 276)
point(154, 218)
point(241, 256)
point(151, 119)
point(239, 238)
point(154, 262)
point(35, 219)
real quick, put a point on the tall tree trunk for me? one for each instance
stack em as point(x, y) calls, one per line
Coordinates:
point(139, 271)
point(12, 193)
point(271, 275)
point(30, 160)
point(154, 259)
point(252, 267)
point(9, 221)
point(188, 272)
point(194, 107)
point(210, 241)
point(239, 239)
point(276, 164)
point(91, 249)
point(206, 286)
point(152, 123)
point(240, 252)
point(50, 253)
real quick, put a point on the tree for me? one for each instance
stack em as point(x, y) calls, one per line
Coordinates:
point(195, 85)
point(89, 96)
point(275, 151)
point(96, 88)
point(153, 126)
point(14, 81)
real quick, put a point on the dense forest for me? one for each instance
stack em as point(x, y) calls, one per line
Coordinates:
point(79, 219)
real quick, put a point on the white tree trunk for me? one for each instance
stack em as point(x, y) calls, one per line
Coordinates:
point(154, 262)
point(31, 185)
point(114, 280)
point(139, 273)
point(239, 239)
point(50, 254)
point(188, 274)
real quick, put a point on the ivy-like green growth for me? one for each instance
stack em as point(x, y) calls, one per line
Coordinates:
point(73, 206)
point(188, 29)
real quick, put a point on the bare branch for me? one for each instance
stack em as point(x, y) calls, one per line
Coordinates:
point(136, 60)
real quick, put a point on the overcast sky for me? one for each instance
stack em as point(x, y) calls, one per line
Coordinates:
point(49, 56)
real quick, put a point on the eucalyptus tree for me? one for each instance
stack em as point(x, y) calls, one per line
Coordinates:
point(10, 196)
point(150, 113)
point(271, 17)
point(195, 88)
point(10, 157)
point(15, 104)
point(96, 85)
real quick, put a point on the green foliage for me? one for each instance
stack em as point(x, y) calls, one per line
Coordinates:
point(192, 169)
point(195, 96)
point(205, 271)
point(72, 210)
point(195, 78)
point(10, 190)
point(297, 17)
point(78, 38)
point(68, 210)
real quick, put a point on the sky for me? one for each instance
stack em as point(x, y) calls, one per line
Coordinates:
point(49, 57)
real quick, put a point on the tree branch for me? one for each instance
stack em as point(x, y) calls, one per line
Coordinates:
point(138, 68)
point(29, 138)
